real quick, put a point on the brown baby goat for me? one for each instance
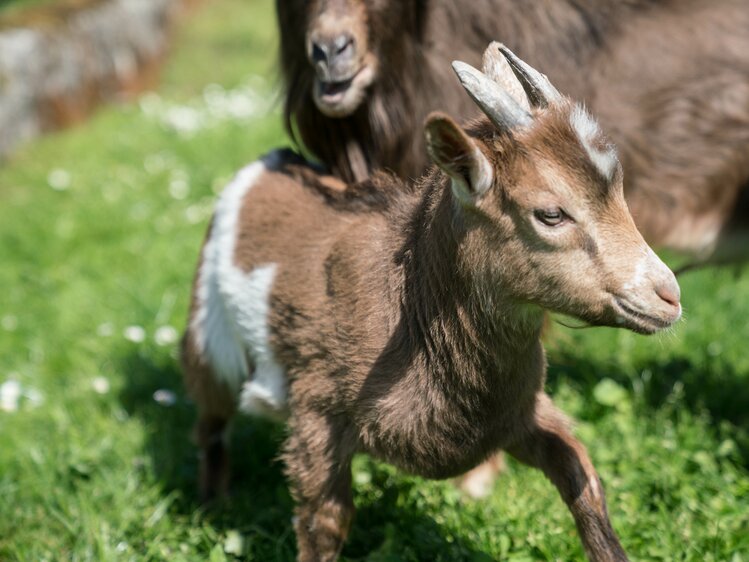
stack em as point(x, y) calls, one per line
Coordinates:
point(404, 320)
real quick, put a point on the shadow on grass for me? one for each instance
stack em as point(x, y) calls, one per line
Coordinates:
point(259, 502)
point(260, 505)
point(713, 386)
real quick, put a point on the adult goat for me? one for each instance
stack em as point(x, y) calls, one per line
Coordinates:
point(669, 81)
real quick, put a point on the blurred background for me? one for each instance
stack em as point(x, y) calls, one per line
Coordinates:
point(100, 227)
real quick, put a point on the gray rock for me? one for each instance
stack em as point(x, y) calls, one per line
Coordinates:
point(51, 76)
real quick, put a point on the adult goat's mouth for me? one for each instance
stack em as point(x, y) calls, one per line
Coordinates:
point(633, 317)
point(340, 98)
point(332, 92)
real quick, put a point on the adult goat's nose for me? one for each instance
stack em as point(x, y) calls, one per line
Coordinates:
point(332, 52)
point(319, 52)
point(343, 46)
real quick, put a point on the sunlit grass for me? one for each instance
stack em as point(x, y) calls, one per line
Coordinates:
point(15, 7)
point(100, 228)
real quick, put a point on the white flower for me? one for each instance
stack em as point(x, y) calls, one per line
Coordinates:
point(9, 322)
point(184, 119)
point(165, 335)
point(165, 397)
point(135, 334)
point(59, 179)
point(215, 106)
point(10, 393)
point(179, 188)
point(100, 385)
point(33, 396)
point(150, 103)
point(199, 212)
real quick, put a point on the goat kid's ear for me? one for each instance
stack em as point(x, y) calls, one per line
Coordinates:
point(459, 156)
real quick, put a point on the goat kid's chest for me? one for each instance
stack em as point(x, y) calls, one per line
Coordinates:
point(438, 429)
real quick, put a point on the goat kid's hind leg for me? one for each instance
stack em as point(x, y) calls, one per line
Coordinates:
point(212, 436)
point(477, 483)
point(216, 406)
point(318, 456)
point(550, 446)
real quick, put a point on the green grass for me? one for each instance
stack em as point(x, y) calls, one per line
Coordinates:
point(15, 5)
point(99, 231)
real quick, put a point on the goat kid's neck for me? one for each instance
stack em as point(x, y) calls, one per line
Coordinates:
point(456, 309)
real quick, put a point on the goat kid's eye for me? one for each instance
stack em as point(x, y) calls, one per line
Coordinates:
point(550, 217)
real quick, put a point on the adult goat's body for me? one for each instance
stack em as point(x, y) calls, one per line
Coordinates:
point(404, 319)
point(669, 81)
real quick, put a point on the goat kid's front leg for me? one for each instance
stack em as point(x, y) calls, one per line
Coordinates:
point(551, 447)
point(318, 456)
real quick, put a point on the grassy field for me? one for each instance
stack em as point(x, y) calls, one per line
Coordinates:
point(16, 5)
point(99, 232)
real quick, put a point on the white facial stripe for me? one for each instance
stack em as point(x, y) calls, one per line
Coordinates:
point(231, 321)
point(587, 131)
point(642, 268)
point(649, 272)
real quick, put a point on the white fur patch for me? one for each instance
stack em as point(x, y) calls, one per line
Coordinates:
point(649, 266)
point(595, 489)
point(231, 321)
point(587, 131)
point(482, 177)
point(265, 394)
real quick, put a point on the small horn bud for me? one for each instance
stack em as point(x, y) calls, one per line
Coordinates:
point(537, 86)
point(498, 105)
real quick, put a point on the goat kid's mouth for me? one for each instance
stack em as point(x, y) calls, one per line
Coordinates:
point(340, 98)
point(631, 316)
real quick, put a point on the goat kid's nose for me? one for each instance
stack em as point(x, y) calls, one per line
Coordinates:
point(669, 292)
point(329, 52)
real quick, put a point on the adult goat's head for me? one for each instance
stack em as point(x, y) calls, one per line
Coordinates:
point(344, 42)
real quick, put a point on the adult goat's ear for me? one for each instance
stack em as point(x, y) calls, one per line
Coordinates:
point(459, 156)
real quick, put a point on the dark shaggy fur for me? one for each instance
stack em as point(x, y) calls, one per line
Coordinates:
point(669, 80)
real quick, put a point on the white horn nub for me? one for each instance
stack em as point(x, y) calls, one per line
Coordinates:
point(540, 91)
point(498, 105)
point(496, 67)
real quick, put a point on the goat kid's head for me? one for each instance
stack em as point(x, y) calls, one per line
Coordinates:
point(539, 181)
point(339, 47)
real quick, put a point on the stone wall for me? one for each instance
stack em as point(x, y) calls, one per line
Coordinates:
point(57, 66)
